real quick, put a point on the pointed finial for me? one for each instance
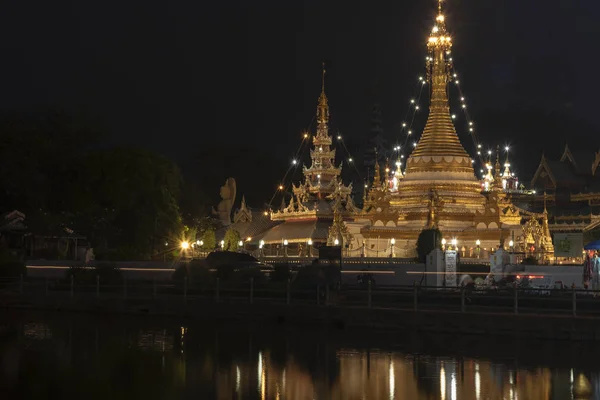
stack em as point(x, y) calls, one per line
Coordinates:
point(323, 79)
point(545, 210)
point(439, 7)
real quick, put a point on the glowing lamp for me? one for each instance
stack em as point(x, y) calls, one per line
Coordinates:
point(285, 242)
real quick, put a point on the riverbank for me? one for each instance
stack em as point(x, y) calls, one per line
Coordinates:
point(342, 318)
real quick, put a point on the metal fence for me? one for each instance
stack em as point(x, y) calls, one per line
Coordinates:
point(528, 301)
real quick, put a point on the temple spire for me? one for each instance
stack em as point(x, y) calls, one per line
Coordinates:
point(323, 106)
point(439, 136)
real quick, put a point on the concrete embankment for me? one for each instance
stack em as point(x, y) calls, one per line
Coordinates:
point(547, 326)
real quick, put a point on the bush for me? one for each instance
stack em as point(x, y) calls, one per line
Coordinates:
point(281, 273)
point(429, 239)
point(108, 273)
point(196, 271)
point(530, 261)
point(12, 269)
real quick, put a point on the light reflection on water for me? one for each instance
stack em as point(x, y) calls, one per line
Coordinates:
point(162, 359)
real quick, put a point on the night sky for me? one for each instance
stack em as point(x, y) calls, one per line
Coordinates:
point(197, 80)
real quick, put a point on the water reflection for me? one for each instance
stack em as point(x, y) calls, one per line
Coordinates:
point(74, 356)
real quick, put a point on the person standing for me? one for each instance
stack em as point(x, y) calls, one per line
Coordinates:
point(595, 273)
point(587, 271)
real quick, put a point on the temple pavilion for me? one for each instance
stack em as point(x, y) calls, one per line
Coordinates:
point(438, 186)
point(317, 207)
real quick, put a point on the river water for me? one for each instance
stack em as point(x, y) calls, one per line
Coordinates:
point(75, 356)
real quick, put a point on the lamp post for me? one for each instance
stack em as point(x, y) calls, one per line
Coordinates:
point(392, 243)
point(478, 243)
point(336, 242)
point(222, 245)
point(285, 248)
point(310, 244)
point(511, 244)
point(240, 246)
point(444, 244)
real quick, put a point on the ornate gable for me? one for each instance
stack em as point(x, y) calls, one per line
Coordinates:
point(544, 173)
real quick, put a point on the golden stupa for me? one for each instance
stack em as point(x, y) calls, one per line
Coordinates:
point(439, 187)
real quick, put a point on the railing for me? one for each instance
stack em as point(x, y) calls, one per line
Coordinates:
point(518, 301)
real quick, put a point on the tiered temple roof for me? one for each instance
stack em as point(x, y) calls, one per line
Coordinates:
point(322, 195)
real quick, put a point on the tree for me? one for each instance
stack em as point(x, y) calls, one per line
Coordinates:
point(429, 239)
point(209, 239)
point(232, 237)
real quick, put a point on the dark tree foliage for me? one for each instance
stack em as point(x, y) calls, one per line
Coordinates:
point(428, 240)
point(124, 200)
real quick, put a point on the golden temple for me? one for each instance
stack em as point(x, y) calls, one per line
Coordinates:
point(439, 187)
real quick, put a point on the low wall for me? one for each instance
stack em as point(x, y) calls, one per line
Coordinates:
point(132, 270)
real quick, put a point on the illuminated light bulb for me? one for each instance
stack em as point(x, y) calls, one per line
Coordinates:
point(404, 124)
point(464, 106)
point(402, 156)
point(339, 137)
point(478, 146)
point(416, 107)
point(472, 161)
point(506, 148)
point(450, 59)
point(319, 176)
point(435, 29)
point(420, 78)
point(349, 160)
point(305, 135)
point(414, 144)
point(398, 163)
point(280, 187)
point(387, 170)
point(409, 132)
point(453, 116)
point(470, 129)
point(321, 148)
point(432, 39)
point(462, 98)
point(440, 18)
point(479, 152)
point(470, 123)
point(266, 213)
point(455, 75)
point(481, 171)
point(294, 162)
point(366, 185)
point(412, 101)
point(457, 82)
point(489, 152)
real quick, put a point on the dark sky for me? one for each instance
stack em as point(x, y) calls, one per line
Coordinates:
point(183, 77)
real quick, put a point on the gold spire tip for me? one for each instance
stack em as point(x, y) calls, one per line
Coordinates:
point(323, 78)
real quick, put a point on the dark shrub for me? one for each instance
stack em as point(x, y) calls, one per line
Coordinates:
point(429, 239)
point(12, 269)
point(530, 261)
point(281, 273)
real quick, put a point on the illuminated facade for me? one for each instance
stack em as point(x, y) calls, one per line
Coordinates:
point(438, 187)
point(318, 205)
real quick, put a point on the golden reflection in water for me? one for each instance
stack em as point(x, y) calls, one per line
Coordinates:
point(477, 382)
point(442, 382)
point(383, 375)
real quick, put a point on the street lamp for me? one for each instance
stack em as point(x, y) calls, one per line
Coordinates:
point(310, 243)
point(336, 242)
point(222, 245)
point(199, 242)
point(454, 243)
point(285, 247)
point(185, 245)
point(443, 244)
point(392, 243)
point(478, 243)
point(511, 244)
